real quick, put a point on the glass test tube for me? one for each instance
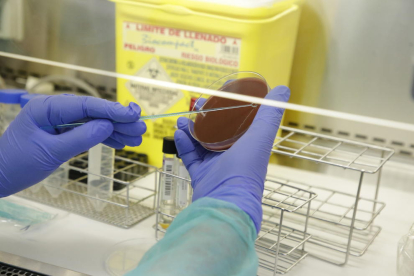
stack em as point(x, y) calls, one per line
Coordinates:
point(101, 162)
point(167, 190)
point(9, 106)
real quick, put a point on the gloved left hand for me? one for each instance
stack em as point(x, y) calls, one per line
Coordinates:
point(29, 153)
point(237, 175)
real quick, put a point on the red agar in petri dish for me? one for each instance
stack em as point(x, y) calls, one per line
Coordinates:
point(219, 130)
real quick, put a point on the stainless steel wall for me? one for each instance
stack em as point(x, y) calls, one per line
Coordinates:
point(358, 57)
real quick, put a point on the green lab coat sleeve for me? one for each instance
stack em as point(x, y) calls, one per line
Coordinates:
point(210, 237)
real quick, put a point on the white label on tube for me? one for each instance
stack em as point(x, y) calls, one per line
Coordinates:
point(182, 187)
point(168, 179)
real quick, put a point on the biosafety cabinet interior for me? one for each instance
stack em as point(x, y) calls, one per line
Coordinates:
point(337, 190)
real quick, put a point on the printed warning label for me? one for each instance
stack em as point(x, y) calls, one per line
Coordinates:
point(172, 55)
point(154, 99)
point(182, 44)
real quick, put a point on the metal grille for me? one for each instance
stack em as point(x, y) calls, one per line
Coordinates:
point(9, 270)
point(331, 150)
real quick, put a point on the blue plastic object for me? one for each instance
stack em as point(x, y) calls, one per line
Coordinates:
point(11, 96)
point(24, 99)
point(29, 154)
point(238, 174)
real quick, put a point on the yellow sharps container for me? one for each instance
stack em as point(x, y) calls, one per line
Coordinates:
point(195, 42)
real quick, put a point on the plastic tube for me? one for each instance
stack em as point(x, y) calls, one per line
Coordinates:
point(100, 163)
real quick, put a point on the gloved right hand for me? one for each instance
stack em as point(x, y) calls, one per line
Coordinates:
point(29, 153)
point(238, 174)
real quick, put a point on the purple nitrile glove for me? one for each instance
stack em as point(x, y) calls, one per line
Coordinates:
point(238, 174)
point(29, 153)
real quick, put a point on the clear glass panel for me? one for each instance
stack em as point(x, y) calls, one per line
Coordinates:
point(351, 56)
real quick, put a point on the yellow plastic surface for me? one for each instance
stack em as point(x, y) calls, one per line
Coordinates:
point(267, 36)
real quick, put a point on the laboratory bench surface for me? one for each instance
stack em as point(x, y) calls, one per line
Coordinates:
point(81, 244)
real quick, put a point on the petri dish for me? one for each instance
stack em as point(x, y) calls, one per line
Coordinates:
point(219, 130)
point(125, 256)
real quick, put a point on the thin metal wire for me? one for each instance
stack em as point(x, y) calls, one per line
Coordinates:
point(331, 150)
point(268, 237)
point(285, 263)
point(364, 239)
point(277, 196)
point(356, 157)
point(277, 246)
point(355, 163)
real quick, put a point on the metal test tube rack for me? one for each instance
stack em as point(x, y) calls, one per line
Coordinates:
point(360, 157)
point(278, 246)
point(132, 203)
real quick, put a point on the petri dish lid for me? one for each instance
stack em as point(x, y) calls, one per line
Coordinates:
point(125, 256)
point(219, 130)
point(11, 96)
point(24, 99)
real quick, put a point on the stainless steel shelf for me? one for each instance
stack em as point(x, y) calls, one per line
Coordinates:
point(330, 150)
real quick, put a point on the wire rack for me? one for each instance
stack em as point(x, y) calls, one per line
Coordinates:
point(337, 207)
point(280, 247)
point(329, 221)
point(277, 246)
point(345, 213)
point(130, 203)
point(361, 240)
point(286, 197)
point(329, 241)
point(289, 252)
point(331, 150)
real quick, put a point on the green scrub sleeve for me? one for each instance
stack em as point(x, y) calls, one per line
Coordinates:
point(209, 237)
